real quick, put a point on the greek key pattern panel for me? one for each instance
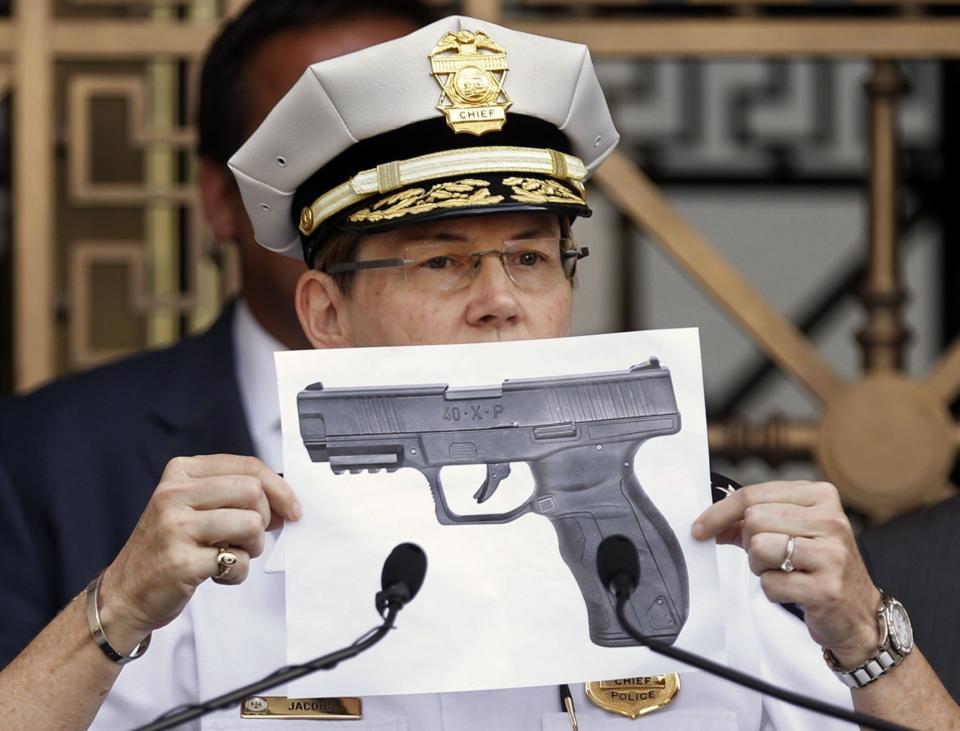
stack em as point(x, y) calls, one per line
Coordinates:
point(127, 152)
point(692, 120)
point(83, 91)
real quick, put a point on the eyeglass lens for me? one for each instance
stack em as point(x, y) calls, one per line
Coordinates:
point(531, 264)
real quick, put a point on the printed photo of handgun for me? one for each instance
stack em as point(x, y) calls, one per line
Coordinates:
point(578, 434)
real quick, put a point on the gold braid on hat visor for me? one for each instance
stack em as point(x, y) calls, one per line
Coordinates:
point(393, 176)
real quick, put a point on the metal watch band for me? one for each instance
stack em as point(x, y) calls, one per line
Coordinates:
point(890, 653)
point(865, 674)
point(96, 629)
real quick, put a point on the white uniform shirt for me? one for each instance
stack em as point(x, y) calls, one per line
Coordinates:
point(229, 636)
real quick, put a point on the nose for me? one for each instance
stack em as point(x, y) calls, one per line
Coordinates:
point(493, 296)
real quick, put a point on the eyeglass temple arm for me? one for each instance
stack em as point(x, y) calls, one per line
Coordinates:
point(355, 266)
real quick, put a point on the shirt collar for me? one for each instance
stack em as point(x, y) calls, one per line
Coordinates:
point(257, 379)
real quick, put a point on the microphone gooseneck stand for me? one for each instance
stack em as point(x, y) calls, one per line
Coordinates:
point(401, 578)
point(735, 676)
point(618, 567)
point(283, 675)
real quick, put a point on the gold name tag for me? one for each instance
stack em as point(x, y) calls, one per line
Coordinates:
point(320, 709)
point(634, 697)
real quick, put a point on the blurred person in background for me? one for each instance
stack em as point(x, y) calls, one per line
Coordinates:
point(915, 557)
point(80, 458)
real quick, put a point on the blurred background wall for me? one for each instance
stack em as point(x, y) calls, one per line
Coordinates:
point(751, 118)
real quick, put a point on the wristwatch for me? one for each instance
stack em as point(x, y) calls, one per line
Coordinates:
point(896, 642)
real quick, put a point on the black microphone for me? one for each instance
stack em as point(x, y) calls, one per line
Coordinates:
point(401, 579)
point(618, 565)
point(402, 576)
point(619, 569)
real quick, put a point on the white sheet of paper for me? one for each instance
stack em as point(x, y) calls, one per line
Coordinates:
point(499, 607)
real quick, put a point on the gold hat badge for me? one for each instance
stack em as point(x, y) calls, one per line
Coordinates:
point(470, 68)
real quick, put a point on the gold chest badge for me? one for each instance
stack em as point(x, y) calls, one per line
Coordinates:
point(470, 69)
point(634, 697)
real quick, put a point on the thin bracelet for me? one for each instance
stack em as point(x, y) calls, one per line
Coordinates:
point(96, 629)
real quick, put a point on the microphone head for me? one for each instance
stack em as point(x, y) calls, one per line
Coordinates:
point(403, 573)
point(617, 563)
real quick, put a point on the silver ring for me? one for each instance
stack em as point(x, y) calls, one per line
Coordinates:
point(226, 560)
point(787, 564)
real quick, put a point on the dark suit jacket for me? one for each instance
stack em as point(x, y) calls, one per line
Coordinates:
point(80, 458)
point(916, 558)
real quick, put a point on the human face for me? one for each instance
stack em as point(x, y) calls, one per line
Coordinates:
point(269, 280)
point(382, 309)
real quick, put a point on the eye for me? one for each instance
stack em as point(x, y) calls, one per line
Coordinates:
point(439, 262)
point(529, 258)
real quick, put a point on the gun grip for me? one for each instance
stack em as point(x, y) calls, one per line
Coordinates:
point(660, 605)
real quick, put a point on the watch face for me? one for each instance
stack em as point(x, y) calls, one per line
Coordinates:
point(901, 632)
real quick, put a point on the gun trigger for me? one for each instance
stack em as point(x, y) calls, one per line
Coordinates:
point(496, 473)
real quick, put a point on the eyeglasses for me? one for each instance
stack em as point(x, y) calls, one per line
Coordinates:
point(531, 264)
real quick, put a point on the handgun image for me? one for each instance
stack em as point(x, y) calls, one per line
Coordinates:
point(579, 435)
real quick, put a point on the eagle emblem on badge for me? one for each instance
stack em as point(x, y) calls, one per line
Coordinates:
point(470, 68)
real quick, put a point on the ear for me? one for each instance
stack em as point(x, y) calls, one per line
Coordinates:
point(219, 194)
point(321, 310)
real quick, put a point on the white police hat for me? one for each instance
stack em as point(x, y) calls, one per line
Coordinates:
point(458, 118)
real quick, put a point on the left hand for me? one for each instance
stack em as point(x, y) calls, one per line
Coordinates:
point(830, 582)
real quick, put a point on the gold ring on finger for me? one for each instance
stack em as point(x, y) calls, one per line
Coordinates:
point(226, 560)
point(787, 564)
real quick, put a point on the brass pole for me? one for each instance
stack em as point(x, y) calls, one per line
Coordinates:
point(774, 441)
point(234, 7)
point(160, 216)
point(33, 230)
point(884, 336)
point(208, 279)
point(632, 192)
point(483, 9)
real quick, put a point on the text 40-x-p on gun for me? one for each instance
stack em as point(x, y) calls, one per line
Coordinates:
point(579, 435)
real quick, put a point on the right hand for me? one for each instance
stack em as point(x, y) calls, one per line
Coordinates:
point(201, 503)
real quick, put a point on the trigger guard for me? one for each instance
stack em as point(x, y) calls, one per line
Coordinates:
point(445, 516)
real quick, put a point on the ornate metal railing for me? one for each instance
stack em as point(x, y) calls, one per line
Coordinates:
point(887, 441)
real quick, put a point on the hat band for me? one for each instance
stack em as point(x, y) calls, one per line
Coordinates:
point(474, 160)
